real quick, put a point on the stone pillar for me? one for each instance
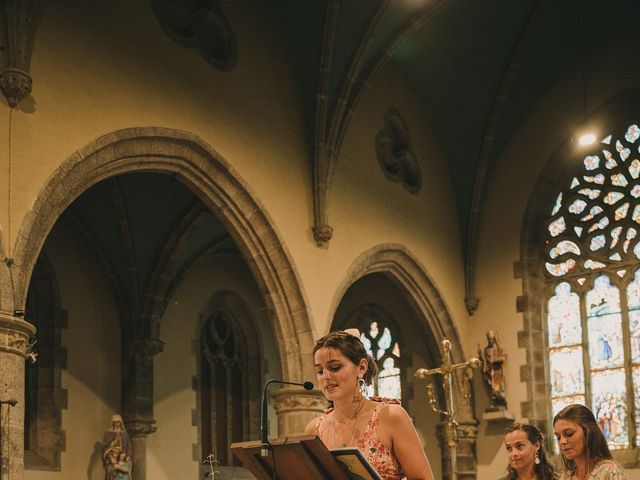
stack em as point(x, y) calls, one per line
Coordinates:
point(138, 431)
point(465, 450)
point(467, 459)
point(137, 400)
point(295, 408)
point(14, 340)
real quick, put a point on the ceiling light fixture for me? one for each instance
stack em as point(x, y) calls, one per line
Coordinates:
point(587, 138)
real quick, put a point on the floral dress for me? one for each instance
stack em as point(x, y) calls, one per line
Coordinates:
point(604, 470)
point(380, 457)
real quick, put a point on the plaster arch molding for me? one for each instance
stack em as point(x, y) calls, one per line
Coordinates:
point(221, 189)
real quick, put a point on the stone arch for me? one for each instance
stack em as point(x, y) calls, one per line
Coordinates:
point(555, 175)
point(214, 181)
point(397, 262)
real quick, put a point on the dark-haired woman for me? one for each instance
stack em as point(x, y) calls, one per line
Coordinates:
point(527, 456)
point(584, 449)
point(382, 430)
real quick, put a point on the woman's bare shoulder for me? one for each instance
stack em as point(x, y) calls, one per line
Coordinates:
point(312, 426)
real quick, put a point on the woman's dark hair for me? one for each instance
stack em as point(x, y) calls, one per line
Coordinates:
point(595, 443)
point(351, 347)
point(544, 470)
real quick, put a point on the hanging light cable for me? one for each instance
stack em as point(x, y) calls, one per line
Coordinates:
point(8, 237)
point(587, 135)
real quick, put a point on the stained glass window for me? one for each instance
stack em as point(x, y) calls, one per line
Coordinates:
point(381, 344)
point(592, 268)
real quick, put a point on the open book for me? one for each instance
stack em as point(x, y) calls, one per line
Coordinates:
point(356, 466)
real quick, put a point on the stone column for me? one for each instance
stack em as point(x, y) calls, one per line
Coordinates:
point(137, 400)
point(467, 459)
point(465, 450)
point(14, 340)
point(295, 408)
point(138, 431)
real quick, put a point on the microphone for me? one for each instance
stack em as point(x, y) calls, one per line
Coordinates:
point(264, 413)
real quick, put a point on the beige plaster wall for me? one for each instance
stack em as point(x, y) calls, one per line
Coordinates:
point(92, 341)
point(367, 210)
point(103, 66)
point(553, 119)
point(175, 367)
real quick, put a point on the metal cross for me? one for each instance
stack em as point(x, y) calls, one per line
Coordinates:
point(446, 370)
point(211, 460)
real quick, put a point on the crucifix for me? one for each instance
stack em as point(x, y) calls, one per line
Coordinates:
point(211, 460)
point(446, 370)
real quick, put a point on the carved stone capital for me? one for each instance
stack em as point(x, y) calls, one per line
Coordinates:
point(146, 348)
point(140, 428)
point(322, 234)
point(15, 85)
point(296, 407)
point(289, 400)
point(15, 334)
point(471, 304)
point(468, 431)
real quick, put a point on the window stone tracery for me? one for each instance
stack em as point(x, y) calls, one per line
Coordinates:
point(591, 287)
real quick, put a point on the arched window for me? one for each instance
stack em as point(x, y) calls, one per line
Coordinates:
point(592, 288)
point(223, 385)
point(44, 396)
point(380, 337)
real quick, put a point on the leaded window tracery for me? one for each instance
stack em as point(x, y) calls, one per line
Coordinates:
point(223, 372)
point(592, 255)
point(383, 346)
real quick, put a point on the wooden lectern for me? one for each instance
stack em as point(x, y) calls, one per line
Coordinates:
point(300, 457)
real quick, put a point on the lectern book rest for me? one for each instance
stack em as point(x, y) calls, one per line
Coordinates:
point(303, 457)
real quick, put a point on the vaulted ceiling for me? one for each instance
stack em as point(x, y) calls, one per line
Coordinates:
point(477, 66)
point(146, 230)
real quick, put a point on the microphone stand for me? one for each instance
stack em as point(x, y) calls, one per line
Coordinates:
point(11, 402)
point(265, 445)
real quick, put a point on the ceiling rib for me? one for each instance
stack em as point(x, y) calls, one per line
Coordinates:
point(322, 232)
point(380, 62)
point(98, 250)
point(470, 300)
point(127, 245)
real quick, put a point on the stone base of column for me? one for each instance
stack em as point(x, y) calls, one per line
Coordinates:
point(138, 431)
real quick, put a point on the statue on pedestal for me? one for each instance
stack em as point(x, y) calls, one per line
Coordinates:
point(493, 358)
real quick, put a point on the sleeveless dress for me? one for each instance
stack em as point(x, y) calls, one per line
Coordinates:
point(380, 457)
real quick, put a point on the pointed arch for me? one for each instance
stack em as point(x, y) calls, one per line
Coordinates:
point(214, 181)
point(402, 267)
point(545, 288)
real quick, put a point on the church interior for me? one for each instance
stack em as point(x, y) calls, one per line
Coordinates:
point(193, 192)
